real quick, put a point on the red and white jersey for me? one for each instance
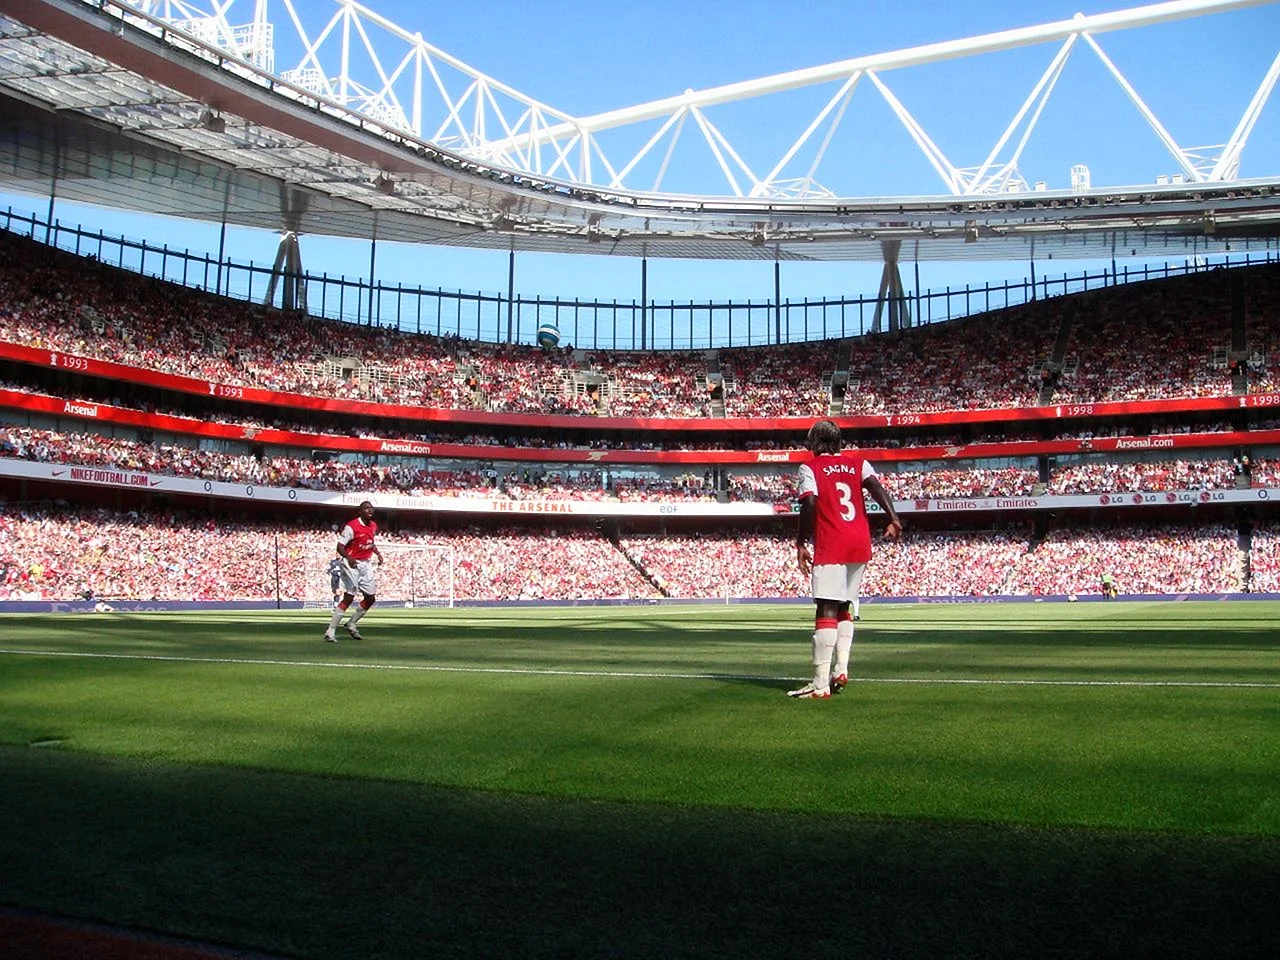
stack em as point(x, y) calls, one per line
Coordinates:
point(840, 530)
point(357, 536)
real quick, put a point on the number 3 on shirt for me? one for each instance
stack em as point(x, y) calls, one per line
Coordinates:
point(847, 509)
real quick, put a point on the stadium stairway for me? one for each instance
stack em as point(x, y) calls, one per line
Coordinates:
point(838, 383)
point(1239, 339)
point(713, 383)
point(610, 531)
point(1051, 371)
point(1245, 545)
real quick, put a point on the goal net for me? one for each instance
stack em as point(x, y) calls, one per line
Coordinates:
point(411, 574)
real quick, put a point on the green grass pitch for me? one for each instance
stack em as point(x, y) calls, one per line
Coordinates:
point(998, 780)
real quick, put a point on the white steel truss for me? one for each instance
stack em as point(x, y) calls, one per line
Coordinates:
point(362, 62)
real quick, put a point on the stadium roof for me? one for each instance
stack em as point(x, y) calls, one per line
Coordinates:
point(105, 104)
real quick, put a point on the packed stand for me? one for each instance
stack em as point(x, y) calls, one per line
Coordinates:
point(763, 487)
point(976, 363)
point(1135, 476)
point(1264, 558)
point(1264, 472)
point(64, 553)
point(684, 488)
point(1132, 342)
point(922, 564)
point(653, 384)
point(718, 566)
point(945, 484)
point(346, 475)
point(1157, 341)
point(783, 381)
point(88, 449)
point(1262, 312)
point(1165, 558)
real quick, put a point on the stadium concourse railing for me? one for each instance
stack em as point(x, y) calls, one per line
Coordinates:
point(620, 325)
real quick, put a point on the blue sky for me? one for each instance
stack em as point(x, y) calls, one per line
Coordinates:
point(588, 56)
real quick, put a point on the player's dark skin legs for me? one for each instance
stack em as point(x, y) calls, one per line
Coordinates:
point(831, 609)
point(369, 600)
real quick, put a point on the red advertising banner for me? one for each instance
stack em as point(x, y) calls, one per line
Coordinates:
point(187, 426)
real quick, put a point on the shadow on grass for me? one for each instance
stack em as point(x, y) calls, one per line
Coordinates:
point(311, 867)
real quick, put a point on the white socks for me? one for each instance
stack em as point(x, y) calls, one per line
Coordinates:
point(843, 645)
point(824, 642)
point(334, 620)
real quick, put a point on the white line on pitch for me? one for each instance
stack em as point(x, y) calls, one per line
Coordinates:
point(438, 668)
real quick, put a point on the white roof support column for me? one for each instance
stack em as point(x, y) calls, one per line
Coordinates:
point(1183, 158)
point(1039, 96)
point(677, 117)
point(842, 99)
point(946, 170)
point(504, 127)
point(671, 148)
point(1228, 165)
point(717, 142)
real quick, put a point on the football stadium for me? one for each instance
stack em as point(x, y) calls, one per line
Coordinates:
point(565, 512)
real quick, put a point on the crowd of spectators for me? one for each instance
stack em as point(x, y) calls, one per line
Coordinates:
point(718, 566)
point(782, 381)
point(351, 473)
point(1138, 341)
point(1262, 325)
point(384, 474)
point(946, 484)
point(90, 449)
point(652, 384)
point(1158, 559)
point(1133, 476)
point(1264, 558)
point(780, 487)
point(62, 552)
point(976, 363)
point(1165, 558)
point(944, 564)
point(1264, 472)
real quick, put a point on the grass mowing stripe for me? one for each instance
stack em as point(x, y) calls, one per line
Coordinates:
point(625, 674)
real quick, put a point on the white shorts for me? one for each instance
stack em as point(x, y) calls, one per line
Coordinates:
point(359, 580)
point(837, 581)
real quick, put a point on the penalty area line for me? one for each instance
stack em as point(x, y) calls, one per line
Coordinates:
point(634, 674)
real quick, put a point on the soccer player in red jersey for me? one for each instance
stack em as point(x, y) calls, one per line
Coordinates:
point(356, 547)
point(833, 514)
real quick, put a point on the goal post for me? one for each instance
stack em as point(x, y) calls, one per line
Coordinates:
point(419, 575)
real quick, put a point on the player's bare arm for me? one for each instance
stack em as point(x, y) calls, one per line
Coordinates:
point(872, 486)
point(804, 533)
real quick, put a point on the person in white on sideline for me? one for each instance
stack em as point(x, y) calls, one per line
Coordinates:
point(356, 547)
point(833, 514)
